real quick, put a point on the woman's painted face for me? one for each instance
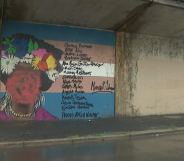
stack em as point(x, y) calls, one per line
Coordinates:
point(23, 85)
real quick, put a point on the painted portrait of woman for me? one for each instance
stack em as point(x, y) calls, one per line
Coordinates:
point(29, 66)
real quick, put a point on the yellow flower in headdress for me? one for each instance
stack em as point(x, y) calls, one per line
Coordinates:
point(35, 62)
point(51, 62)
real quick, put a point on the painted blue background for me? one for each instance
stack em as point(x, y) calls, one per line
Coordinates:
point(103, 104)
point(62, 33)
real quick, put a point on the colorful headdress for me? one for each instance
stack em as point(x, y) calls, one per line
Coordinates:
point(22, 48)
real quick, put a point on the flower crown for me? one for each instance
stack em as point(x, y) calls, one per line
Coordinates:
point(39, 58)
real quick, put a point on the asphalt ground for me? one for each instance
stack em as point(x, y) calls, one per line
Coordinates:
point(32, 133)
point(168, 147)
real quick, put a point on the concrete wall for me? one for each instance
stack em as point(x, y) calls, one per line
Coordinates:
point(153, 75)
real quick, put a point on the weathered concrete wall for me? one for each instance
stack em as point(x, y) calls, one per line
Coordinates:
point(153, 75)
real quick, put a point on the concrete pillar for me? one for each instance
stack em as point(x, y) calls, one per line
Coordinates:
point(120, 107)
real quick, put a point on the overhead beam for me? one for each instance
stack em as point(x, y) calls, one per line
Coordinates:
point(132, 16)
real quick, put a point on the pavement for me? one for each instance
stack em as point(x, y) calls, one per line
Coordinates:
point(31, 133)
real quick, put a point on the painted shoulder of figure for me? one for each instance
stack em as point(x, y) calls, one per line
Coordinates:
point(4, 116)
point(42, 114)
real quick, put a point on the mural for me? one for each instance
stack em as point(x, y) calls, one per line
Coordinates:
point(51, 78)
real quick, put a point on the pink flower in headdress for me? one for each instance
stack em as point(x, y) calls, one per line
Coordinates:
point(39, 53)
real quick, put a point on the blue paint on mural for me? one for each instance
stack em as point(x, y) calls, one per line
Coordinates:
point(1, 94)
point(95, 105)
point(101, 106)
point(63, 33)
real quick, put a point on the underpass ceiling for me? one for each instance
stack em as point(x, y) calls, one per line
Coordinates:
point(104, 14)
point(160, 20)
point(155, 19)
